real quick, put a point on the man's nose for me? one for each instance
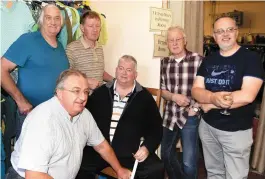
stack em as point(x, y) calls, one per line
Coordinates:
point(225, 32)
point(53, 21)
point(124, 72)
point(82, 96)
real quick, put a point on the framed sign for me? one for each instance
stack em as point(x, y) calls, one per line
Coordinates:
point(160, 46)
point(160, 19)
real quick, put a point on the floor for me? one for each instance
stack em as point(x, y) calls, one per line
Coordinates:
point(202, 173)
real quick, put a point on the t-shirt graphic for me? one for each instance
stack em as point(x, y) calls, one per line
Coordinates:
point(220, 77)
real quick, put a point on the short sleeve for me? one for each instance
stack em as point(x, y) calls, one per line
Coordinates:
point(253, 67)
point(18, 52)
point(95, 136)
point(70, 56)
point(36, 143)
point(201, 70)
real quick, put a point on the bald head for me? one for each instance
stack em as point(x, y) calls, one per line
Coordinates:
point(224, 19)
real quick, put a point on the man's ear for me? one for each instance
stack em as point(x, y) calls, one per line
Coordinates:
point(214, 37)
point(82, 28)
point(59, 93)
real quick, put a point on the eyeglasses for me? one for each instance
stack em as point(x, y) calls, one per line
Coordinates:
point(174, 40)
point(77, 92)
point(229, 30)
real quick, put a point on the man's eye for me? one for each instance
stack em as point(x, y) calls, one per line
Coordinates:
point(76, 91)
point(230, 29)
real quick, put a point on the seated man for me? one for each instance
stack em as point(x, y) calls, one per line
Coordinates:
point(55, 133)
point(124, 112)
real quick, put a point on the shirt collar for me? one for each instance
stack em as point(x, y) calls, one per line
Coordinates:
point(115, 92)
point(186, 57)
point(86, 45)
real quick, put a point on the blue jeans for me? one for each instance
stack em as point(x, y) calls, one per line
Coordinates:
point(190, 145)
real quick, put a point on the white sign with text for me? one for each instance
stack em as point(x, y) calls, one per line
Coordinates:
point(160, 46)
point(160, 19)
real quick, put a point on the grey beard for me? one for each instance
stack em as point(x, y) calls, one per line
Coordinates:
point(225, 47)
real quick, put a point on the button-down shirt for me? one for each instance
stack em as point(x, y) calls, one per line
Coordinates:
point(51, 142)
point(178, 77)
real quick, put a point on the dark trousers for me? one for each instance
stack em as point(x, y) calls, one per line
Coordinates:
point(12, 174)
point(92, 163)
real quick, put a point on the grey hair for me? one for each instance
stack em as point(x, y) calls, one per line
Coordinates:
point(41, 18)
point(178, 28)
point(64, 76)
point(129, 58)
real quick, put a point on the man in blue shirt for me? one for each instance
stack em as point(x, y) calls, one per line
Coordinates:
point(40, 59)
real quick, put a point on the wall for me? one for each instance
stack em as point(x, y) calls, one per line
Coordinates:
point(254, 11)
point(177, 8)
point(128, 31)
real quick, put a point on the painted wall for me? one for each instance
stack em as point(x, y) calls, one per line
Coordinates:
point(128, 31)
point(253, 11)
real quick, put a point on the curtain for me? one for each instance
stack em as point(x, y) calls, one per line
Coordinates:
point(258, 159)
point(193, 25)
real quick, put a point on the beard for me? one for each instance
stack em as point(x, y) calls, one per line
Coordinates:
point(226, 47)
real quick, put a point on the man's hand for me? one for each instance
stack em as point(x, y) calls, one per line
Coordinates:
point(124, 173)
point(24, 106)
point(222, 99)
point(141, 154)
point(180, 99)
point(107, 153)
point(191, 111)
point(206, 107)
point(93, 83)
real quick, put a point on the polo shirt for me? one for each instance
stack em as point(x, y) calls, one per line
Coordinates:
point(86, 59)
point(117, 109)
point(39, 65)
point(51, 143)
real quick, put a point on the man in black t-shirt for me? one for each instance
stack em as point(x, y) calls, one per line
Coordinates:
point(227, 79)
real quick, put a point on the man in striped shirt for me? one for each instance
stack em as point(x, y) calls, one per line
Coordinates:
point(86, 54)
point(125, 112)
point(180, 120)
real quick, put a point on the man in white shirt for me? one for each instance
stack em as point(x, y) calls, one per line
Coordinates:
point(55, 133)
